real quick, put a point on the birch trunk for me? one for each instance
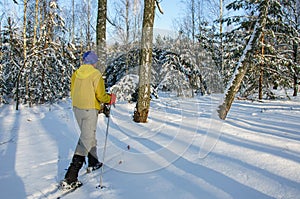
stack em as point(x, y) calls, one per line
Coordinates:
point(241, 68)
point(73, 22)
point(101, 34)
point(24, 54)
point(221, 39)
point(36, 22)
point(89, 41)
point(143, 103)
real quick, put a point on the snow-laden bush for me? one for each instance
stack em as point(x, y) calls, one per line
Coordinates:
point(174, 80)
point(126, 87)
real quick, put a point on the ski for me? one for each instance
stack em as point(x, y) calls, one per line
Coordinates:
point(66, 192)
point(58, 193)
point(85, 177)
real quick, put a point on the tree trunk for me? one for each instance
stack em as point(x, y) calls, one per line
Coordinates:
point(233, 89)
point(260, 83)
point(24, 54)
point(296, 71)
point(221, 40)
point(73, 22)
point(241, 68)
point(193, 22)
point(89, 40)
point(25, 45)
point(48, 15)
point(101, 34)
point(36, 25)
point(127, 26)
point(143, 103)
point(295, 85)
point(127, 22)
point(36, 21)
point(137, 20)
point(261, 74)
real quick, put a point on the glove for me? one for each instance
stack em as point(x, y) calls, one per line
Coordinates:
point(105, 109)
point(113, 99)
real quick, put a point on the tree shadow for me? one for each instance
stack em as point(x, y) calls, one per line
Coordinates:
point(64, 132)
point(191, 178)
point(11, 185)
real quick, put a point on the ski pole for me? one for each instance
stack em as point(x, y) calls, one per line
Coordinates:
point(104, 150)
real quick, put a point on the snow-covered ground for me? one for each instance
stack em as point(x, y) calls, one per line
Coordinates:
point(255, 151)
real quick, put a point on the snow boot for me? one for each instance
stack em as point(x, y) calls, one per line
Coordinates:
point(64, 185)
point(93, 162)
point(73, 170)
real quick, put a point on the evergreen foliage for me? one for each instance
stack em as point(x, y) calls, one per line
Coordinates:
point(170, 72)
point(273, 61)
point(44, 74)
point(181, 64)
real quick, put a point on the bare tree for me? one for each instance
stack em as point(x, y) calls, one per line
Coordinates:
point(143, 103)
point(127, 20)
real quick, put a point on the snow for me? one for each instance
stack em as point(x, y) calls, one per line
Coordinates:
point(183, 151)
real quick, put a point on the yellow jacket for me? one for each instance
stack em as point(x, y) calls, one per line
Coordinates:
point(87, 88)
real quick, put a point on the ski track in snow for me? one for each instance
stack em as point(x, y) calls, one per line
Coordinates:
point(256, 156)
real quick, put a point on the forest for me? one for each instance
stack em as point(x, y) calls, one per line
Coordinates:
point(238, 47)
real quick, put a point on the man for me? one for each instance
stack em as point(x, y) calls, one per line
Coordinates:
point(87, 93)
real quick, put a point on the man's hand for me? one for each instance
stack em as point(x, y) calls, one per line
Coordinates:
point(105, 109)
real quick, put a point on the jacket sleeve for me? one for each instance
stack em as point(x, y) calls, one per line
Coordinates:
point(100, 92)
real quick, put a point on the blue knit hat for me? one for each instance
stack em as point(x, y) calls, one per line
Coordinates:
point(90, 57)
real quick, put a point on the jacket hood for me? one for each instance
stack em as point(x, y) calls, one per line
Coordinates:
point(85, 71)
